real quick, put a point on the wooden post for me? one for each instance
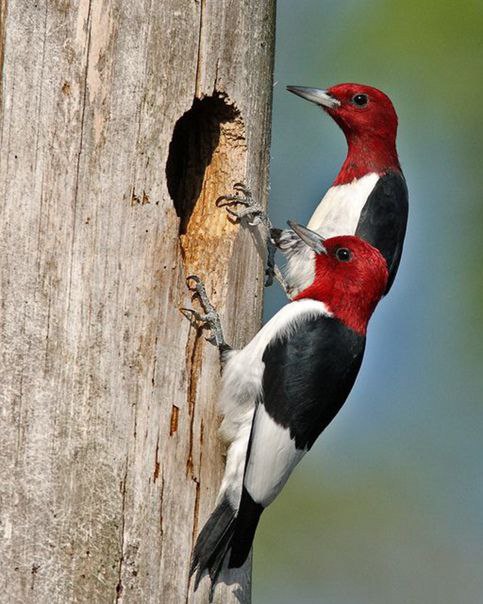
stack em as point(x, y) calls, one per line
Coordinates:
point(121, 124)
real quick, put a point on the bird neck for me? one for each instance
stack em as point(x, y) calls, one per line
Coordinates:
point(352, 302)
point(366, 154)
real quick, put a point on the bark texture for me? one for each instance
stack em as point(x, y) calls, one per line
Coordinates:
point(121, 123)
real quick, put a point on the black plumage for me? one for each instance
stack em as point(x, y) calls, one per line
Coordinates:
point(383, 220)
point(306, 401)
point(247, 519)
point(213, 542)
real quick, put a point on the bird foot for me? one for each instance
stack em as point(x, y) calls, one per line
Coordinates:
point(252, 210)
point(256, 215)
point(210, 319)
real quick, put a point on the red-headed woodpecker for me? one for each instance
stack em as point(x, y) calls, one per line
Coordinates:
point(285, 386)
point(369, 196)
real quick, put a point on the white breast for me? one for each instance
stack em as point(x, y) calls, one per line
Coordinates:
point(339, 211)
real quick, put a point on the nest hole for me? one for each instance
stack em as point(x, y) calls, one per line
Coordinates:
point(196, 136)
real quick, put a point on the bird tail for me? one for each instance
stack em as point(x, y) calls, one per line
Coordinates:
point(226, 529)
point(244, 533)
point(213, 542)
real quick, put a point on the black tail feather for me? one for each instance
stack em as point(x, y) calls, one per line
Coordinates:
point(225, 529)
point(213, 542)
point(246, 525)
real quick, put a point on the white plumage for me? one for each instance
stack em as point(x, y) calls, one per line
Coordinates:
point(273, 456)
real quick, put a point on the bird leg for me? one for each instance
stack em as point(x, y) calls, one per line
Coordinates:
point(210, 319)
point(252, 210)
point(256, 215)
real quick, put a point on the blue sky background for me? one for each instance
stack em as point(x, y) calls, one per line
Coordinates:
point(388, 506)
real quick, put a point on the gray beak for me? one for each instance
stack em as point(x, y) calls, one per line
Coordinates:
point(315, 95)
point(310, 238)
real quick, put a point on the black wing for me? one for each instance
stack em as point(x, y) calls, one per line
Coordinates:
point(384, 218)
point(308, 376)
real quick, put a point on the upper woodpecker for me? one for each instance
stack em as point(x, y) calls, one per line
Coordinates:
point(282, 390)
point(369, 197)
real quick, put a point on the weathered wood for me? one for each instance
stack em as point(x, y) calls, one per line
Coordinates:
point(110, 460)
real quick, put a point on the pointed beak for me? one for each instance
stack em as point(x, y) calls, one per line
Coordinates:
point(310, 238)
point(315, 95)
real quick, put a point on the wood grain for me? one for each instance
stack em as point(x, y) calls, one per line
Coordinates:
point(110, 460)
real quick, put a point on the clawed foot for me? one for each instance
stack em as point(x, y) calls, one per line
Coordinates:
point(210, 319)
point(252, 210)
point(255, 214)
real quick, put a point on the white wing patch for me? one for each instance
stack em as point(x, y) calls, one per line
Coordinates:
point(273, 456)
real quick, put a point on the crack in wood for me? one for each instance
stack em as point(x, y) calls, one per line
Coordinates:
point(161, 495)
point(173, 422)
point(194, 368)
point(156, 461)
point(119, 585)
point(155, 361)
point(196, 507)
point(79, 153)
point(198, 57)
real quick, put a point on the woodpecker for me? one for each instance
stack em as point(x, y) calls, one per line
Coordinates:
point(369, 196)
point(285, 386)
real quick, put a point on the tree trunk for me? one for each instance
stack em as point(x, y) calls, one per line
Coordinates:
point(122, 122)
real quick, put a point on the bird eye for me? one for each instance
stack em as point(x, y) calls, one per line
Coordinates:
point(343, 254)
point(360, 100)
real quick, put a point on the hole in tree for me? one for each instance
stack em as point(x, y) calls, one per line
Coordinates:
point(195, 137)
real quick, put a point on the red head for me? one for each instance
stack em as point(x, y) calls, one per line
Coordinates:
point(350, 276)
point(369, 122)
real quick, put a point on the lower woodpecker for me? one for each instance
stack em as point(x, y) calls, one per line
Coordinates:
point(284, 387)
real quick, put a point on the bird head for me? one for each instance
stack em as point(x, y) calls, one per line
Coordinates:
point(350, 276)
point(368, 119)
point(358, 109)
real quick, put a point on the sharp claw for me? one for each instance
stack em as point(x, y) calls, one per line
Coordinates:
point(194, 278)
point(189, 311)
point(218, 203)
point(240, 186)
point(225, 200)
point(229, 200)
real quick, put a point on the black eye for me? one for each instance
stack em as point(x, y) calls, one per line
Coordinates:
point(360, 100)
point(343, 254)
